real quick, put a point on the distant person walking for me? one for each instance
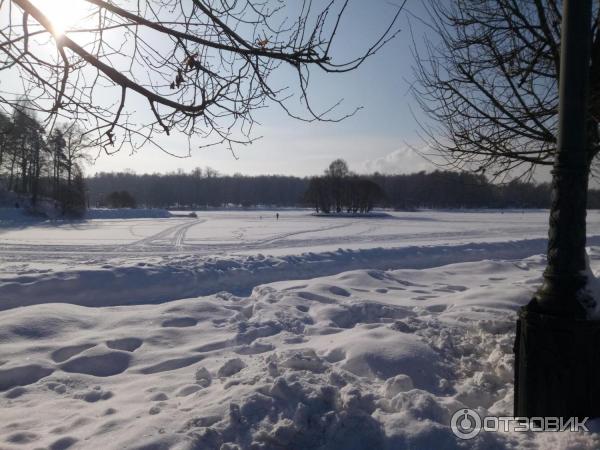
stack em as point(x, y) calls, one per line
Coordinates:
point(277, 216)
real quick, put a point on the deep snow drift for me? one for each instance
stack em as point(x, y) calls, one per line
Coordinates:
point(363, 359)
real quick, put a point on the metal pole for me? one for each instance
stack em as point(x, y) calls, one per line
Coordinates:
point(557, 364)
point(563, 277)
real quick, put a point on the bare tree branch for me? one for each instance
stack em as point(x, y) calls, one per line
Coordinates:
point(490, 84)
point(201, 67)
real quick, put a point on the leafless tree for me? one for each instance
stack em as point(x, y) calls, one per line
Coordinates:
point(76, 151)
point(489, 81)
point(202, 67)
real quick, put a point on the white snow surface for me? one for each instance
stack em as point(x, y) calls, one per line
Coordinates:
point(162, 259)
point(313, 333)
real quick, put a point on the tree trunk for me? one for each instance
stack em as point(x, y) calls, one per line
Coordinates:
point(35, 175)
point(12, 170)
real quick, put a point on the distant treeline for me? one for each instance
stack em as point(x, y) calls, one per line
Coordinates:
point(206, 188)
point(199, 189)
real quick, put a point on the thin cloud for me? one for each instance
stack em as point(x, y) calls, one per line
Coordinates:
point(403, 160)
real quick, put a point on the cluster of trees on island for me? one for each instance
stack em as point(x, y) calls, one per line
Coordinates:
point(40, 165)
point(339, 191)
point(206, 188)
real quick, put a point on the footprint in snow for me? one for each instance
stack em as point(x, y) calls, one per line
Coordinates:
point(212, 346)
point(99, 365)
point(126, 344)
point(188, 390)
point(445, 290)
point(179, 322)
point(63, 443)
point(436, 308)
point(230, 368)
point(62, 354)
point(95, 395)
point(22, 437)
point(254, 349)
point(336, 290)
point(315, 297)
point(22, 376)
point(171, 364)
point(59, 388)
point(15, 392)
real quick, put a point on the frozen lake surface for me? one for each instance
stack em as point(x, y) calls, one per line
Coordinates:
point(161, 259)
point(297, 231)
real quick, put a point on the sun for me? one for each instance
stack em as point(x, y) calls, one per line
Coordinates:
point(64, 14)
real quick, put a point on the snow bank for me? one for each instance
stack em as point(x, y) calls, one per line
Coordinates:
point(181, 276)
point(126, 213)
point(23, 216)
point(15, 217)
point(367, 359)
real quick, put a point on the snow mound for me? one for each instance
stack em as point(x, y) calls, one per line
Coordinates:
point(165, 278)
point(364, 359)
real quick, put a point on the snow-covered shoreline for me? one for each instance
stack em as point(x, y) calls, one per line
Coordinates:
point(106, 262)
point(176, 277)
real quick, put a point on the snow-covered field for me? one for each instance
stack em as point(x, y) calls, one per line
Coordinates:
point(154, 260)
point(234, 331)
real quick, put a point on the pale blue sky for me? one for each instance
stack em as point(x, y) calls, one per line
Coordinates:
point(378, 137)
point(375, 138)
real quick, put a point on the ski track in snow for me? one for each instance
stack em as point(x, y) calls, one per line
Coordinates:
point(166, 259)
point(174, 237)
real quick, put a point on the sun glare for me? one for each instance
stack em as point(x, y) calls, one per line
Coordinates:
point(64, 14)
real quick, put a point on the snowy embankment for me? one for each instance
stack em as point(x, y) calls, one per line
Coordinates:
point(45, 211)
point(366, 359)
point(126, 213)
point(179, 276)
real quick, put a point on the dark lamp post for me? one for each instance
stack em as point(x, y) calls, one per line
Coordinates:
point(557, 349)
